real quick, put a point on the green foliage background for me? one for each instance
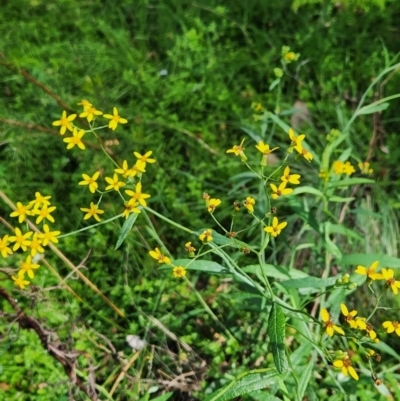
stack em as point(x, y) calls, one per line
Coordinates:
point(184, 74)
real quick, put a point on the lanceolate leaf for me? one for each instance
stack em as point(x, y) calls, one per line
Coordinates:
point(127, 226)
point(199, 265)
point(276, 332)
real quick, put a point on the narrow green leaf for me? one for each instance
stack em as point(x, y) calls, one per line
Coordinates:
point(309, 282)
point(307, 190)
point(244, 384)
point(372, 108)
point(126, 227)
point(340, 199)
point(163, 397)
point(329, 149)
point(222, 240)
point(278, 272)
point(276, 333)
point(305, 378)
point(350, 181)
point(340, 229)
point(199, 265)
point(366, 259)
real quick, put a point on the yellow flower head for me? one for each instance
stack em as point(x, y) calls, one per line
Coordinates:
point(179, 271)
point(90, 112)
point(388, 275)
point(28, 267)
point(189, 248)
point(295, 140)
point(276, 227)
point(115, 184)
point(40, 200)
point(238, 150)
point(291, 178)
point(115, 119)
point(156, 254)
point(249, 204)
point(349, 316)
point(279, 191)
point(65, 122)
point(44, 213)
point(85, 104)
point(93, 211)
point(22, 211)
point(392, 327)
point(370, 271)
point(49, 236)
point(91, 181)
point(212, 204)
point(4, 249)
point(131, 207)
point(36, 244)
point(137, 195)
point(329, 325)
point(21, 240)
point(365, 169)
point(20, 282)
point(345, 365)
point(304, 152)
point(145, 158)
point(206, 236)
point(75, 139)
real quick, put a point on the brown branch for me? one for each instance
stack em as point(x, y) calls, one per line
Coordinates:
point(50, 343)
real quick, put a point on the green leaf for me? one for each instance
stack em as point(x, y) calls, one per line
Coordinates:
point(340, 229)
point(307, 190)
point(222, 240)
point(163, 397)
point(244, 384)
point(309, 282)
point(126, 227)
point(350, 181)
point(329, 149)
point(278, 272)
point(276, 333)
point(340, 199)
point(372, 108)
point(366, 259)
point(199, 265)
point(305, 378)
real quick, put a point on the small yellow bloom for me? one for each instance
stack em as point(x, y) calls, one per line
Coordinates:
point(131, 207)
point(370, 330)
point(28, 267)
point(364, 167)
point(329, 325)
point(249, 204)
point(345, 365)
point(206, 236)
point(93, 211)
point(388, 275)
point(238, 150)
point(145, 158)
point(304, 152)
point(324, 175)
point(156, 254)
point(65, 122)
point(21, 212)
point(115, 120)
point(4, 249)
point(21, 240)
point(91, 181)
point(124, 170)
point(291, 56)
point(369, 271)
point(276, 227)
point(189, 248)
point(49, 236)
point(295, 140)
point(20, 282)
point(44, 213)
point(75, 139)
point(179, 271)
point(392, 326)
point(264, 148)
point(292, 178)
point(137, 169)
point(36, 245)
point(90, 112)
point(212, 204)
point(137, 195)
point(114, 183)
point(281, 190)
point(349, 316)
point(40, 200)
point(85, 104)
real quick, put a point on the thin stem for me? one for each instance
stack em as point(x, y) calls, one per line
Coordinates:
point(169, 221)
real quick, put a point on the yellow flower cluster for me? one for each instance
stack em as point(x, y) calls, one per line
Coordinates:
point(177, 271)
point(340, 167)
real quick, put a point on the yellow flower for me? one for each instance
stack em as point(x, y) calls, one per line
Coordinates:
point(124, 170)
point(292, 178)
point(115, 120)
point(28, 267)
point(145, 158)
point(276, 227)
point(281, 190)
point(370, 330)
point(265, 150)
point(20, 282)
point(291, 56)
point(75, 139)
point(212, 204)
point(295, 140)
point(392, 326)
point(349, 316)
point(36, 245)
point(137, 195)
point(249, 204)
point(324, 175)
point(49, 236)
point(348, 168)
point(345, 365)
point(156, 254)
point(44, 213)
point(93, 211)
point(206, 236)
point(4, 249)
point(388, 275)
point(85, 104)
point(65, 122)
point(304, 152)
point(364, 167)
point(179, 271)
point(90, 112)
point(370, 271)
point(21, 240)
point(114, 183)
point(189, 248)
point(22, 211)
point(40, 200)
point(91, 181)
point(328, 324)
point(131, 207)
point(337, 167)
point(238, 150)
point(138, 168)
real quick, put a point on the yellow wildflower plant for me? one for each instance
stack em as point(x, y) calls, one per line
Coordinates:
point(369, 271)
point(36, 244)
point(330, 327)
point(40, 200)
point(249, 203)
point(388, 275)
point(28, 267)
point(349, 316)
point(115, 119)
point(49, 236)
point(65, 122)
point(145, 158)
point(290, 178)
point(92, 211)
point(156, 254)
point(212, 204)
point(21, 240)
point(44, 214)
point(90, 112)
point(90, 181)
point(345, 365)
point(20, 282)
point(206, 235)
point(392, 326)
point(238, 150)
point(137, 195)
point(75, 139)
point(276, 227)
point(280, 191)
point(114, 183)
point(21, 212)
point(4, 248)
point(179, 271)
